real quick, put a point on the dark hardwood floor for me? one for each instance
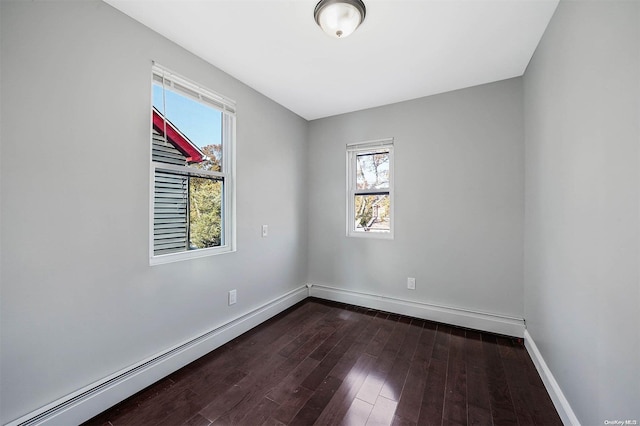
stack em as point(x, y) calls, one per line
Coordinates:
point(326, 363)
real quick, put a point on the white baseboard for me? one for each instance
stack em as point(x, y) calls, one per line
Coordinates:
point(484, 321)
point(559, 401)
point(98, 396)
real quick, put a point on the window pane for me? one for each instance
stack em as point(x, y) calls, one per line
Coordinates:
point(372, 170)
point(191, 131)
point(372, 213)
point(205, 212)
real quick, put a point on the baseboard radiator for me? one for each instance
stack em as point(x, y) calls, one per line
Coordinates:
point(555, 392)
point(484, 321)
point(98, 396)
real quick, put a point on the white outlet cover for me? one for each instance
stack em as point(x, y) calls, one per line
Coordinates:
point(411, 283)
point(232, 297)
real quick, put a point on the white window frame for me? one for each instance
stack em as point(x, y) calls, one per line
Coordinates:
point(353, 150)
point(210, 98)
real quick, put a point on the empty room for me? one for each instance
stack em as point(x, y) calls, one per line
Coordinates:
point(292, 212)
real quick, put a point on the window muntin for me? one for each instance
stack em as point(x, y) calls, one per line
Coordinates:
point(370, 189)
point(192, 170)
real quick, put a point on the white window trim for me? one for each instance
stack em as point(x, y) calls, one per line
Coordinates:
point(228, 108)
point(352, 150)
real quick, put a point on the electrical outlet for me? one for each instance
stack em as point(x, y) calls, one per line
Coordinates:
point(411, 283)
point(265, 231)
point(232, 297)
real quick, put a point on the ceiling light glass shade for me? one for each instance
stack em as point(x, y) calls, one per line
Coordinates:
point(339, 18)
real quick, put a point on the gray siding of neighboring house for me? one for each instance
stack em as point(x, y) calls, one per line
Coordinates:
point(171, 200)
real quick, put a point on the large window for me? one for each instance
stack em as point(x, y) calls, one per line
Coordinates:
point(192, 145)
point(370, 189)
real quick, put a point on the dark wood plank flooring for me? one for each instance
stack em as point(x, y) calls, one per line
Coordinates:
point(326, 363)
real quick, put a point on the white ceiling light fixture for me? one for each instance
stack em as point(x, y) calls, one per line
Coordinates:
point(339, 18)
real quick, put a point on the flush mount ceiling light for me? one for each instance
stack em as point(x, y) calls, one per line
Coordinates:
point(339, 18)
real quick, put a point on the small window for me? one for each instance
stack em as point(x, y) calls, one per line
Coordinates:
point(370, 189)
point(192, 139)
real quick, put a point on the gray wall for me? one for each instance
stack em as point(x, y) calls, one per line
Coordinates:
point(80, 302)
point(458, 201)
point(79, 299)
point(582, 300)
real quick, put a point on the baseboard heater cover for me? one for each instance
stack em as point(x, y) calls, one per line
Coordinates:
point(494, 323)
point(555, 392)
point(98, 396)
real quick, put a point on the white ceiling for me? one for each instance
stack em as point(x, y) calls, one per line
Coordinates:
point(405, 49)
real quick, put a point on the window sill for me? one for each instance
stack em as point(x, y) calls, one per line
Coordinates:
point(187, 255)
point(371, 235)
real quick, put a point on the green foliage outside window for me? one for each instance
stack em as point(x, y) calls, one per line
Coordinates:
point(205, 203)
